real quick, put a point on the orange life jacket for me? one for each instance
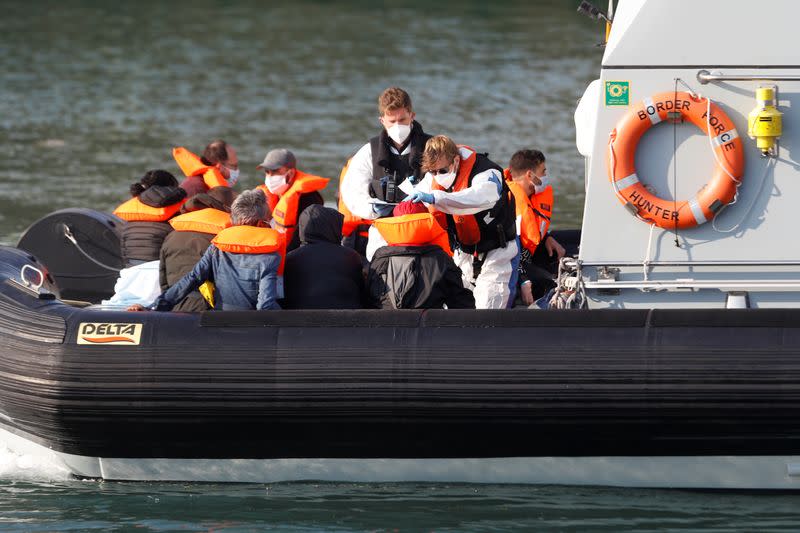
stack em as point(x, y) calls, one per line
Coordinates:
point(417, 229)
point(208, 220)
point(251, 240)
point(467, 228)
point(272, 199)
point(535, 213)
point(134, 210)
point(192, 165)
point(351, 222)
point(285, 211)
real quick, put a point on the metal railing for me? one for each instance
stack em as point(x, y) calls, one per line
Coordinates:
point(704, 77)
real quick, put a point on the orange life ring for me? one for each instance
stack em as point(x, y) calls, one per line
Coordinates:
point(713, 196)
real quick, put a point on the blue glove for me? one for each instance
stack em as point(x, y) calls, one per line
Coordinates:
point(419, 196)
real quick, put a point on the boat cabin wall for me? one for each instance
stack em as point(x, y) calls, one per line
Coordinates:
point(652, 44)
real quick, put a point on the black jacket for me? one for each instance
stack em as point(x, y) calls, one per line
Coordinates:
point(416, 277)
point(141, 241)
point(322, 274)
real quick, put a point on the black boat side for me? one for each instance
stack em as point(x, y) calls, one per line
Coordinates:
point(402, 384)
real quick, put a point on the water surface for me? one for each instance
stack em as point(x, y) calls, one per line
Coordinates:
point(94, 93)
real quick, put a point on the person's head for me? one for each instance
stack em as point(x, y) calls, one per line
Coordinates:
point(250, 209)
point(151, 178)
point(396, 114)
point(409, 208)
point(527, 167)
point(280, 168)
point(222, 156)
point(441, 159)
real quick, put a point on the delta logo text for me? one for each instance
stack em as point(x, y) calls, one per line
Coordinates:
point(106, 333)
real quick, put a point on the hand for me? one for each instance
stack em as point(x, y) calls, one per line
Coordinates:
point(136, 307)
point(526, 290)
point(552, 245)
point(419, 196)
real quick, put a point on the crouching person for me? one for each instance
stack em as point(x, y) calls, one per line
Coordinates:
point(416, 269)
point(243, 262)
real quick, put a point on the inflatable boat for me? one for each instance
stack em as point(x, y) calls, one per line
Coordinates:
point(675, 364)
point(689, 398)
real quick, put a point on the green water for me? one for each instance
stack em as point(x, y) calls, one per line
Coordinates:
point(94, 93)
point(406, 507)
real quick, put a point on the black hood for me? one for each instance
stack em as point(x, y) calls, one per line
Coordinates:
point(320, 224)
point(162, 195)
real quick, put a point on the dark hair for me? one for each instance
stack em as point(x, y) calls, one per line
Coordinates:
point(215, 152)
point(153, 177)
point(526, 160)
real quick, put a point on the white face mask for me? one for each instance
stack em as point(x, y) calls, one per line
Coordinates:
point(399, 133)
point(445, 180)
point(233, 176)
point(545, 182)
point(276, 183)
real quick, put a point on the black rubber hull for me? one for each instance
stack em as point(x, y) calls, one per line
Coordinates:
point(403, 384)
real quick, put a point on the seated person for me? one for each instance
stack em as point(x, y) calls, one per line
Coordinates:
point(217, 167)
point(289, 192)
point(202, 217)
point(156, 199)
point(321, 273)
point(416, 269)
point(533, 196)
point(243, 262)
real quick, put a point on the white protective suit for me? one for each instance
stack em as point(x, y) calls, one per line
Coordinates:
point(491, 288)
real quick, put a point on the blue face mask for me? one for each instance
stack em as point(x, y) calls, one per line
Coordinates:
point(233, 176)
point(545, 182)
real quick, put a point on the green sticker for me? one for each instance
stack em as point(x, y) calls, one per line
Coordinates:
point(617, 92)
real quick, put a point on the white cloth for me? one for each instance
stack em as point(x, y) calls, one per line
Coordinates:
point(374, 241)
point(354, 189)
point(136, 285)
point(490, 289)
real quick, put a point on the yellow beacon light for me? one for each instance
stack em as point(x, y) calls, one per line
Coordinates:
point(765, 122)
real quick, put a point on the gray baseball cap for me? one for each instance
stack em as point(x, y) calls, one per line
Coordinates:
point(280, 157)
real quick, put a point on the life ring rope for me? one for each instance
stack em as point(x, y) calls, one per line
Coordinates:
point(714, 142)
point(725, 143)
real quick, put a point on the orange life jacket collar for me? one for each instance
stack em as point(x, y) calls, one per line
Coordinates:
point(192, 165)
point(134, 210)
point(534, 212)
point(417, 229)
point(285, 211)
point(208, 220)
point(248, 240)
